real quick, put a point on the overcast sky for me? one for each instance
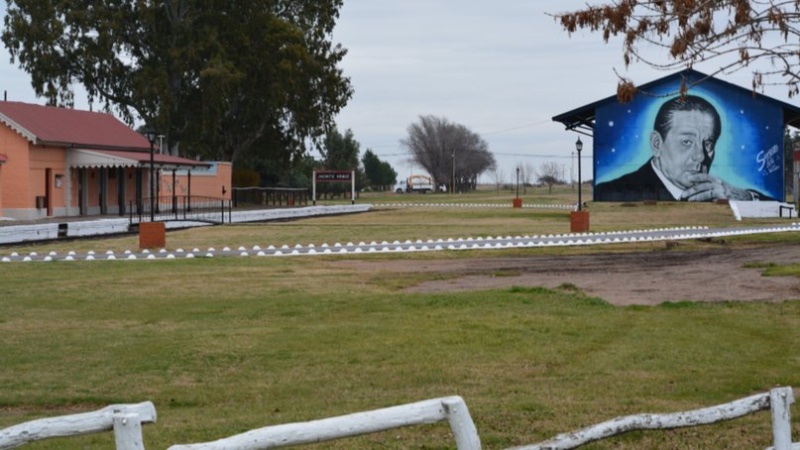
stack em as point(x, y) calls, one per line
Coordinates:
point(503, 69)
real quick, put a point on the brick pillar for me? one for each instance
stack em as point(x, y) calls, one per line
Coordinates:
point(152, 235)
point(579, 221)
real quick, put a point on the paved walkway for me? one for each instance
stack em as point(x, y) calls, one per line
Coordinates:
point(14, 232)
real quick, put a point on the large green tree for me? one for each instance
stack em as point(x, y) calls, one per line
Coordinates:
point(340, 152)
point(736, 33)
point(218, 78)
point(380, 174)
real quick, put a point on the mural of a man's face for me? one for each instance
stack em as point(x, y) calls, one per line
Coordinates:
point(687, 148)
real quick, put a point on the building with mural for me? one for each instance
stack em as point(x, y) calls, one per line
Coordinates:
point(717, 141)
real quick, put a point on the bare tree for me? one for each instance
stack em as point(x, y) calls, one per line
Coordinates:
point(739, 32)
point(449, 152)
point(548, 174)
point(526, 174)
point(498, 175)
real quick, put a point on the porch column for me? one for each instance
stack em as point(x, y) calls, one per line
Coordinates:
point(189, 190)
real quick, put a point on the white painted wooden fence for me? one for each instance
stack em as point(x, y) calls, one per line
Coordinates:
point(779, 400)
point(452, 409)
point(125, 419)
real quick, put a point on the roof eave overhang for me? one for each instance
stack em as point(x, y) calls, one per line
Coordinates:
point(19, 129)
point(582, 119)
point(77, 145)
point(173, 166)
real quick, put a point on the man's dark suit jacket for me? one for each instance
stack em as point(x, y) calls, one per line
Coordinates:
point(643, 184)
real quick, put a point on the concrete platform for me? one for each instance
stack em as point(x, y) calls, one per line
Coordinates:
point(12, 232)
point(762, 209)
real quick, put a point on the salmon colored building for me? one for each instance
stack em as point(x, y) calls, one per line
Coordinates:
point(58, 162)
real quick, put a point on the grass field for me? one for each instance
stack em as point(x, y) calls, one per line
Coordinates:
point(225, 345)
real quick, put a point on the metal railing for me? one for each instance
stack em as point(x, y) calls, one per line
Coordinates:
point(258, 196)
point(181, 208)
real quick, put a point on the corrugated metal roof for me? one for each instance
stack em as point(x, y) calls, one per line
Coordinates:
point(63, 127)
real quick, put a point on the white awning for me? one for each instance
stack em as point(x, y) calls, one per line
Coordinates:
point(90, 159)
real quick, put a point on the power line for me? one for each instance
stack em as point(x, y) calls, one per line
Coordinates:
point(489, 133)
point(514, 128)
point(535, 155)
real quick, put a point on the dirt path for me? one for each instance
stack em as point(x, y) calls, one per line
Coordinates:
point(644, 278)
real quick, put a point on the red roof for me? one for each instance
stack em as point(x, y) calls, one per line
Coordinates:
point(63, 127)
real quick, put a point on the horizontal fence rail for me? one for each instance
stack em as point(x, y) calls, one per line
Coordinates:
point(124, 419)
point(181, 208)
point(453, 409)
point(778, 400)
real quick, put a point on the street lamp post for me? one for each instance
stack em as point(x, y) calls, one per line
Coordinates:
point(150, 133)
point(517, 181)
point(578, 148)
point(453, 182)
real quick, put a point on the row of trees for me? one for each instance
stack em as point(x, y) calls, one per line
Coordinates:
point(342, 152)
point(434, 144)
point(339, 152)
point(451, 153)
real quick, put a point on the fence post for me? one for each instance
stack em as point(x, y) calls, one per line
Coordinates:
point(128, 432)
point(79, 424)
point(461, 423)
point(780, 401)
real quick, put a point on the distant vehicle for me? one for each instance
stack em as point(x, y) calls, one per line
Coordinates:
point(415, 183)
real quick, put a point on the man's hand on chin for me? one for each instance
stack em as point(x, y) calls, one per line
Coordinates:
point(708, 188)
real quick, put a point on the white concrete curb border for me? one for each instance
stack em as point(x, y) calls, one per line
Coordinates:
point(469, 243)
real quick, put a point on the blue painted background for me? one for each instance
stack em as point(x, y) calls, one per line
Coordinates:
point(749, 152)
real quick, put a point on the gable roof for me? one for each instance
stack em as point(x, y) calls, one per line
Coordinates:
point(63, 127)
point(582, 119)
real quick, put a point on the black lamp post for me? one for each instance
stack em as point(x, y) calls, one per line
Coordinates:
point(578, 148)
point(517, 181)
point(453, 181)
point(150, 134)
